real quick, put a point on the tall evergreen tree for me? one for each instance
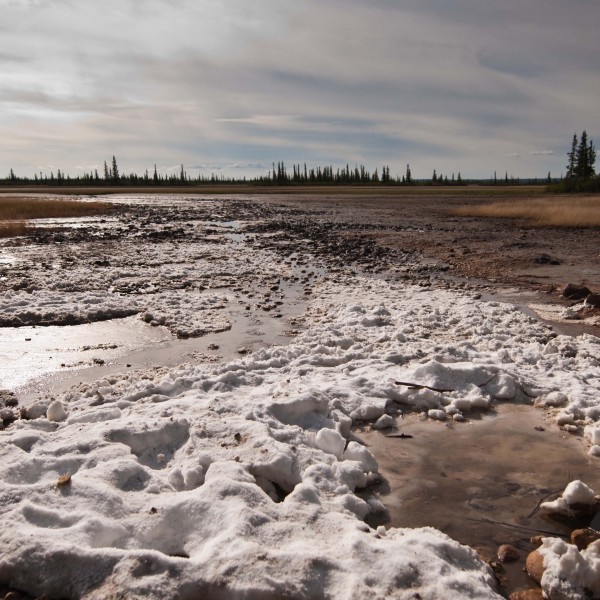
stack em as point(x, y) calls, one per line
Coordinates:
point(115, 170)
point(572, 155)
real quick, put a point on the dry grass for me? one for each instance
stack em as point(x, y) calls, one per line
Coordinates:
point(22, 209)
point(16, 211)
point(571, 211)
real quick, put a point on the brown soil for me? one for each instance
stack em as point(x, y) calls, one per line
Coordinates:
point(500, 251)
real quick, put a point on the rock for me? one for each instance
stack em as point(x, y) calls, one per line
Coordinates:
point(508, 553)
point(535, 565)
point(546, 259)
point(536, 540)
point(531, 594)
point(574, 291)
point(593, 300)
point(582, 538)
point(64, 480)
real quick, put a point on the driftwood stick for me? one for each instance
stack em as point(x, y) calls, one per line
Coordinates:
point(418, 386)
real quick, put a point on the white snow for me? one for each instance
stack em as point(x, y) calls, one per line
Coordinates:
point(576, 494)
point(569, 572)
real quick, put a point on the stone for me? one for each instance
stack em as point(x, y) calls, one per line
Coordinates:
point(535, 566)
point(582, 538)
point(593, 300)
point(531, 594)
point(546, 259)
point(573, 291)
point(508, 553)
point(64, 480)
point(536, 540)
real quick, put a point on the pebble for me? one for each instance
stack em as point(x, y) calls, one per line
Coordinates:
point(508, 553)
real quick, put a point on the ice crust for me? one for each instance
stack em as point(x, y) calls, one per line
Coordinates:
point(239, 480)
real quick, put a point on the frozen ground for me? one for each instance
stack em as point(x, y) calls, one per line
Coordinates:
point(239, 478)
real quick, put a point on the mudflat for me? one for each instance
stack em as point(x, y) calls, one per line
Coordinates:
point(501, 250)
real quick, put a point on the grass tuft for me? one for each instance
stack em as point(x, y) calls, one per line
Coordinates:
point(557, 212)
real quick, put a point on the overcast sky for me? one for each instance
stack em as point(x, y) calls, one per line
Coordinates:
point(230, 86)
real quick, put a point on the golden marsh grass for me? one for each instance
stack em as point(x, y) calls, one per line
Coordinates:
point(15, 211)
point(567, 211)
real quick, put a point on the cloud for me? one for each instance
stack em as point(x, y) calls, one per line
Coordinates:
point(209, 83)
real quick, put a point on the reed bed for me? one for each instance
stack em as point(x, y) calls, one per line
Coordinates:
point(557, 212)
point(16, 212)
point(23, 209)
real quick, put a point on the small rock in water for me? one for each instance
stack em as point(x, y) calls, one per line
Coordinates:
point(535, 566)
point(582, 538)
point(243, 350)
point(508, 553)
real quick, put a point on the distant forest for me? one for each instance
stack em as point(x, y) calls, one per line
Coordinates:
point(280, 175)
point(580, 176)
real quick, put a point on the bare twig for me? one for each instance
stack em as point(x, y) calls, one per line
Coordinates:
point(539, 502)
point(418, 386)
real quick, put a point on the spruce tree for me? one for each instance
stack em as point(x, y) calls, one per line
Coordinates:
point(572, 158)
point(115, 170)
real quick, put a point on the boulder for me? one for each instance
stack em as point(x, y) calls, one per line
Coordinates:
point(593, 300)
point(573, 291)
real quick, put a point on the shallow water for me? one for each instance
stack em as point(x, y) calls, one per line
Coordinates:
point(480, 482)
point(35, 361)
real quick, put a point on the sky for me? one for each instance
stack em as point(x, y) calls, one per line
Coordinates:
point(469, 86)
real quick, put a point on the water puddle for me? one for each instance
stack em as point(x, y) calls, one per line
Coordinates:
point(36, 361)
point(30, 353)
point(480, 482)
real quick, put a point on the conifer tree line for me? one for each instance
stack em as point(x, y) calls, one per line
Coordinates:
point(327, 175)
point(582, 158)
point(580, 175)
point(280, 174)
